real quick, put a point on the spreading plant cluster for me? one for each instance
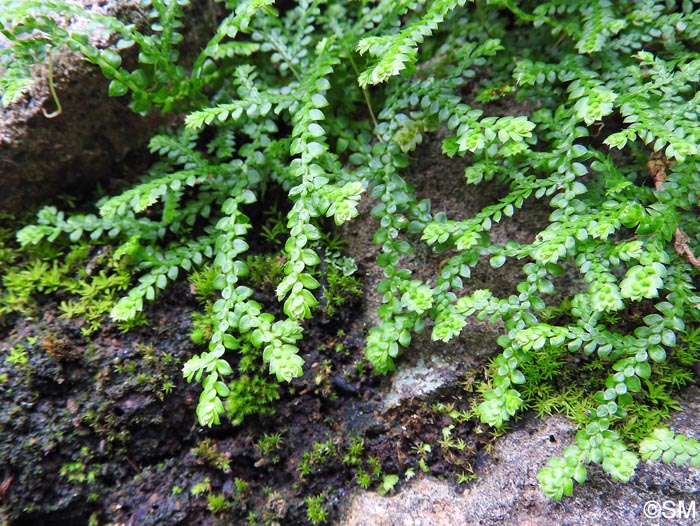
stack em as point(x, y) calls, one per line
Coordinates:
point(588, 109)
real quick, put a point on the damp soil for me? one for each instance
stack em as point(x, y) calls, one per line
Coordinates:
point(102, 429)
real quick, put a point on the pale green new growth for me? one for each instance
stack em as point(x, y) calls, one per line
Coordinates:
point(664, 444)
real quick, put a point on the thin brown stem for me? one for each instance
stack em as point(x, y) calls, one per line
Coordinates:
point(52, 89)
point(657, 170)
point(365, 93)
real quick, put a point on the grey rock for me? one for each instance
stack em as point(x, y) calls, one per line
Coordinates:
point(507, 492)
point(94, 139)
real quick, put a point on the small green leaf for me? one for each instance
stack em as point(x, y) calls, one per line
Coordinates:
point(497, 261)
point(111, 57)
point(315, 130)
point(117, 89)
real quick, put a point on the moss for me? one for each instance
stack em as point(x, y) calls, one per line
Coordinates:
point(90, 279)
point(265, 270)
point(561, 383)
point(251, 394)
point(341, 292)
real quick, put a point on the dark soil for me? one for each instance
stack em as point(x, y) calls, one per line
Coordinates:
point(89, 433)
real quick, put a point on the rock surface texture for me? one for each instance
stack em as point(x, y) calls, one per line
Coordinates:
point(88, 141)
point(507, 493)
point(95, 138)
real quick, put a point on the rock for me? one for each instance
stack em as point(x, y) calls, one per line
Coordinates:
point(507, 492)
point(40, 157)
point(96, 137)
point(429, 366)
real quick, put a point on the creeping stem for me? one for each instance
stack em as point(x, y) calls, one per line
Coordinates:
point(52, 89)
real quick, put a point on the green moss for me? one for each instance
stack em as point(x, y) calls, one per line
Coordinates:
point(202, 284)
point(207, 452)
point(251, 394)
point(90, 279)
point(341, 292)
point(558, 384)
point(266, 270)
point(218, 503)
point(268, 445)
point(315, 509)
point(17, 355)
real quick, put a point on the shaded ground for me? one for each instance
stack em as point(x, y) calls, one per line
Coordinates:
point(90, 430)
point(507, 492)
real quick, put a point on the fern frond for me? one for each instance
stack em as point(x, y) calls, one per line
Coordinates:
point(400, 51)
